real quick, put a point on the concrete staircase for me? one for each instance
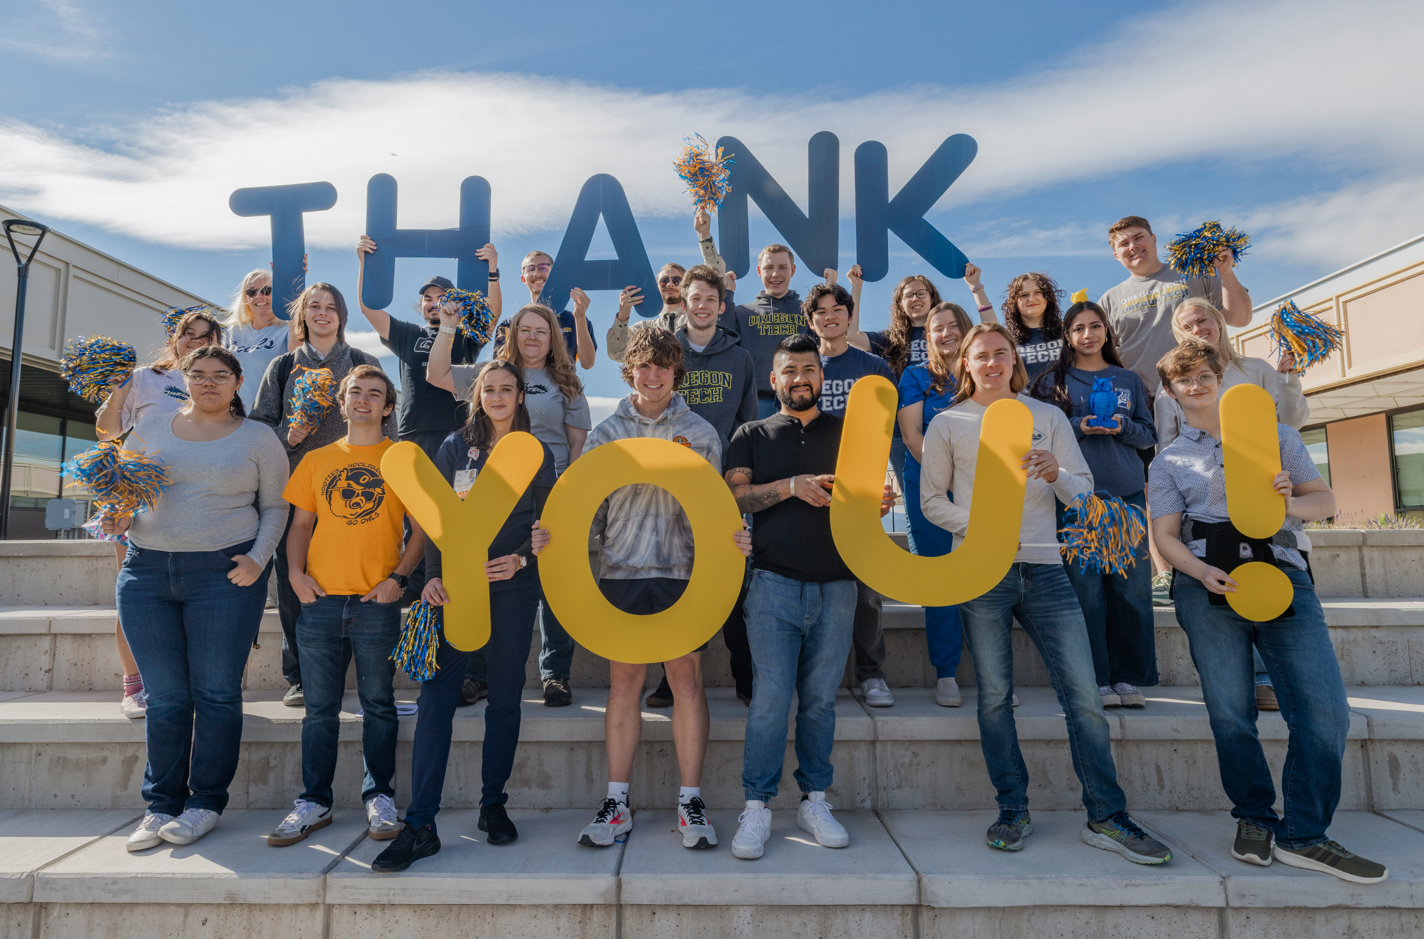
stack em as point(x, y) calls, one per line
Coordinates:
point(910, 786)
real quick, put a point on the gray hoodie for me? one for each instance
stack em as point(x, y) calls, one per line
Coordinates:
point(642, 531)
point(720, 384)
point(274, 405)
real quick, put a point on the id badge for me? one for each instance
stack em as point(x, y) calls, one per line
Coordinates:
point(464, 481)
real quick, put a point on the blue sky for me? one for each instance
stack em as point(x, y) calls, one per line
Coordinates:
point(1297, 122)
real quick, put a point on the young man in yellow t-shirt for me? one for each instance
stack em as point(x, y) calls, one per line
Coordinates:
point(347, 568)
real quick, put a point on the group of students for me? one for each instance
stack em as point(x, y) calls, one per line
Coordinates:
point(759, 391)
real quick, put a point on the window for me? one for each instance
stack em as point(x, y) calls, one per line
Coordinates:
point(1319, 452)
point(1406, 432)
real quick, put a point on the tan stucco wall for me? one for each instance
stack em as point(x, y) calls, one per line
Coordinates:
point(1360, 471)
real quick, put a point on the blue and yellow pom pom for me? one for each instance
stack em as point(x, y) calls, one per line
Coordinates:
point(124, 482)
point(1101, 532)
point(95, 366)
point(1306, 335)
point(704, 171)
point(172, 315)
point(476, 317)
point(313, 393)
point(419, 645)
point(1194, 253)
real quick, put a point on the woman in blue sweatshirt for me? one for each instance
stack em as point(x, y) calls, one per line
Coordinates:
point(1118, 608)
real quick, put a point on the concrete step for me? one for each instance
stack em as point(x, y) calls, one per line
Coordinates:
point(905, 873)
point(71, 648)
point(75, 750)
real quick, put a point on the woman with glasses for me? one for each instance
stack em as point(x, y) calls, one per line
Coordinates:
point(255, 334)
point(573, 327)
point(156, 388)
point(192, 588)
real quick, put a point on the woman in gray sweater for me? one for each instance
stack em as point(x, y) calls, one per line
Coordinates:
point(319, 315)
point(192, 588)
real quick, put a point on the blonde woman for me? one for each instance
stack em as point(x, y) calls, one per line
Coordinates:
point(1201, 320)
point(254, 333)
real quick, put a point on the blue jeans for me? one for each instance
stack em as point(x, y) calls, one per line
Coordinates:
point(1297, 649)
point(767, 407)
point(330, 632)
point(1042, 600)
point(800, 636)
point(942, 629)
point(1118, 611)
point(190, 630)
point(556, 649)
point(511, 630)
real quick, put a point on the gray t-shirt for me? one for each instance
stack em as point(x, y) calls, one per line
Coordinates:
point(220, 492)
point(255, 349)
point(1140, 311)
point(549, 410)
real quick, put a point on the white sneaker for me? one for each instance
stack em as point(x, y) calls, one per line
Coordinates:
point(754, 832)
point(135, 706)
point(947, 693)
point(189, 827)
point(146, 836)
point(1014, 700)
point(305, 818)
point(877, 693)
point(692, 822)
point(813, 815)
point(382, 820)
point(613, 819)
point(1110, 698)
point(1129, 695)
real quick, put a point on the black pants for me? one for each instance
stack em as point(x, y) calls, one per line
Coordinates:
point(734, 634)
point(289, 609)
point(869, 636)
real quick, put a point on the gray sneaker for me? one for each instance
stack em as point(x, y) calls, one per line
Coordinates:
point(1009, 832)
point(1118, 833)
point(947, 693)
point(1252, 844)
point(1329, 858)
point(1110, 698)
point(1129, 696)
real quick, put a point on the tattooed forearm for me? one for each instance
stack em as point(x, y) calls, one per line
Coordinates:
point(754, 498)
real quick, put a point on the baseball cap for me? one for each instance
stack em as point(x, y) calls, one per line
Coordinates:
point(437, 281)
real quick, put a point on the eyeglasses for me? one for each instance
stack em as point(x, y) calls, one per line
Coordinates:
point(210, 378)
point(254, 291)
point(539, 268)
point(917, 295)
point(1205, 381)
point(665, 281)
point(525, 331)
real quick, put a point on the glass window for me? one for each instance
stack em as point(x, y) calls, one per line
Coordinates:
point(1319, 452)
point(79, 437)
point(38, 450)
point(1406, 432)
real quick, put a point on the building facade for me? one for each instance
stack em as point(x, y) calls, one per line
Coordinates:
point(1366, 427)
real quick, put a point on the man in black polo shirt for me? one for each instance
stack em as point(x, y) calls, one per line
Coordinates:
point(800, 606)
point(427, 414)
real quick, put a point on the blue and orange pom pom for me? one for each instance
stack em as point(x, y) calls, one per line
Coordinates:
point(124, 482)
point(419, 645)
point(93, 367)
point(313, 393)
point(1305, 335)
point(1101, 532)
point(704, 171)
point(476, 317)
point(1194, 253)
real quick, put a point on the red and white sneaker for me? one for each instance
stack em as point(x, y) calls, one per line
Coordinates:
point(613, 819)
point(692, 823)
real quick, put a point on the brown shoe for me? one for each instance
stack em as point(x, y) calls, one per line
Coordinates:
point(557, 693)
point(1266, 698)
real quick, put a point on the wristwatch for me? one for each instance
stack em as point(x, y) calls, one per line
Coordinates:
point(401, 580)
point(523, 562)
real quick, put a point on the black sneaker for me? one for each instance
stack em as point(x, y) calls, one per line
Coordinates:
point(1009, 832)
point(1252, 844)
point(744, 694)
point(494, 821)
point(410, 845)
point(1329, 858)
point(557, 693)
point(471, 691)
point(661, 697)
point(1120, 834)
point(294, 697)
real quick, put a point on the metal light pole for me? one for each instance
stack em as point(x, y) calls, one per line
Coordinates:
point(13, 227)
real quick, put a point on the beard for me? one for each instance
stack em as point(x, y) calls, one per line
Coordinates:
point(798, 399)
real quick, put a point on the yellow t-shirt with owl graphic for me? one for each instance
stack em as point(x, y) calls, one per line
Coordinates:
point(357, 542)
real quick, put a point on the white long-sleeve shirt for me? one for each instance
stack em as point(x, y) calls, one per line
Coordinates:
point(1291, 407)
point(951, 453)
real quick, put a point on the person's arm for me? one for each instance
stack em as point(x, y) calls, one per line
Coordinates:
point(380, 320)
point(109, 420)
point(577, 437)
point(616, 340)
point(388, 591)
point(1167, 419)
point(298, 544)
point(267, 405)
point(1167, 536)
point(748, 409)
point(1235, 299)
point(1291, 407)
point(1073, 477)
point(582, 336)
point(973, 278)
point(853, 332)
point(702, 224)
point(493, 296)
point(437, 367)
point(1138, 429)
point(937, 481)
point(813, 490)
point(911, 417)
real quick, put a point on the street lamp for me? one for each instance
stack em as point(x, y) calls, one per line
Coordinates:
point(13, 227)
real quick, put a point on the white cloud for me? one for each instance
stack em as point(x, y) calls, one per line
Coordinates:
point(1232, 84)
point(54, 29)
